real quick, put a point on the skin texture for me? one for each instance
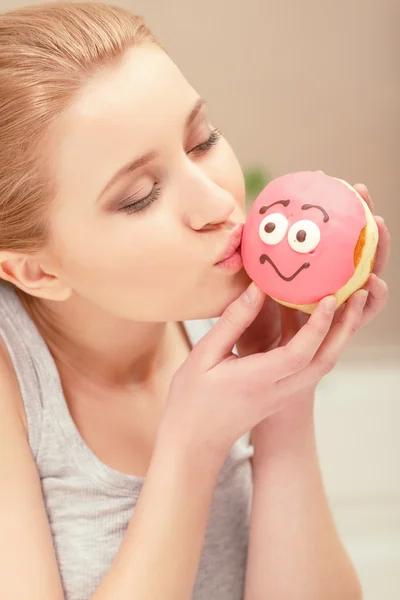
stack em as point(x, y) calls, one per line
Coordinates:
point(294, 551)
point(107, 266)
point(108, 284)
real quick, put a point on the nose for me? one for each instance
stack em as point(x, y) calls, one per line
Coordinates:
point(205, 202)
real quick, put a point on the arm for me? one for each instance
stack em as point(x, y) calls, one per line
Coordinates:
point(295, 552)
point(160, 554)
point(161, 550)
point(28, 567)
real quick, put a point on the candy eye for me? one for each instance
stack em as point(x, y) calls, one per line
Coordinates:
point(273, 228)
point(304, 236)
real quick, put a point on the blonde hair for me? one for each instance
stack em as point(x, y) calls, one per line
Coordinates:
point(47, 53)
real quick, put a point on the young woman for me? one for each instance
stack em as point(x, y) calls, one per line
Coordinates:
point(148, 449)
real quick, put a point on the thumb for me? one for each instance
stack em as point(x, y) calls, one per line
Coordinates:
point(218, 343)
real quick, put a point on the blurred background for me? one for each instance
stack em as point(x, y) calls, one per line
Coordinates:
point(316, 85)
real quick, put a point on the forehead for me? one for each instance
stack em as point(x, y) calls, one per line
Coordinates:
point(133, 97)
point(119, 114)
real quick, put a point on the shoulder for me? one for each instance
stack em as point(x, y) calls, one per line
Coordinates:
point(25, 535)
point(11, 401)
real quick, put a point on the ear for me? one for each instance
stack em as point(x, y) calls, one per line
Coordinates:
point(27, 272)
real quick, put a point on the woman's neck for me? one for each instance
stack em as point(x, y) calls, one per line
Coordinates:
point(89, 344)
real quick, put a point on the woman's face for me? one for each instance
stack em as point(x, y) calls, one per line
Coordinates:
point(143, 246)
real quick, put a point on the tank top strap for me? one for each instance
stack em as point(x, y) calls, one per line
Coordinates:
point(21, 340)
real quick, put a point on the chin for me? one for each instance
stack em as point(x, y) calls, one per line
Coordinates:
point(214, 300)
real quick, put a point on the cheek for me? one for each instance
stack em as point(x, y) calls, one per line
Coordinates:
point(102, 249)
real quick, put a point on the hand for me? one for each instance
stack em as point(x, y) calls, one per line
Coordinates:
point(377, 288)
point(276, 324)
point(216, 397)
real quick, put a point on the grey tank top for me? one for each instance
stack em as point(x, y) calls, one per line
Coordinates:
point(89, 505)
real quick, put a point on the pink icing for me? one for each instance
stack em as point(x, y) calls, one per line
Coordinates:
point(331, 263)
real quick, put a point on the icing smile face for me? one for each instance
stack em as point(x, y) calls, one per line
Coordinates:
point(300, 237)
point(303, 236)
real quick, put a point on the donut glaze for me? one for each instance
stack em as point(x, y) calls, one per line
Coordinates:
point(300, 235)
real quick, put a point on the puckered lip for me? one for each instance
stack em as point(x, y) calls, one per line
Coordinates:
point(233, 243)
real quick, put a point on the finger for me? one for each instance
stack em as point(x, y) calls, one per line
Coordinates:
point(303, 317)
point(339, 313)
point(377, 298)
point(331, 349)
point(218, 343)
point(299, 351)
point(291, 321)
point(362, 189)
point(383, 249)
point(289, 324)
point(310, 337)
point(381, 260)
point(384, 236)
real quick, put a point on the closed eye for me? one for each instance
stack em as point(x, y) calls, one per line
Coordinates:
point(212, 141)
point(143, 203)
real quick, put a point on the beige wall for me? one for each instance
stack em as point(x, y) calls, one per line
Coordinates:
point(315, 84)
point(299, 85)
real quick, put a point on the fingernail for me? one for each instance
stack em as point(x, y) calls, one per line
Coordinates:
point(361, 299)
point(330, 304)
point(251, 293)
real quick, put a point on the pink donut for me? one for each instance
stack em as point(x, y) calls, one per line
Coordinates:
point(309, 235)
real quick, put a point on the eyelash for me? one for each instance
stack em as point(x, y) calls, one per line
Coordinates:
point(154, 194)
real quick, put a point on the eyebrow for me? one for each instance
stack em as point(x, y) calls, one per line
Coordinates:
point(307, 206)
point(149, 156)
point(264, 209)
